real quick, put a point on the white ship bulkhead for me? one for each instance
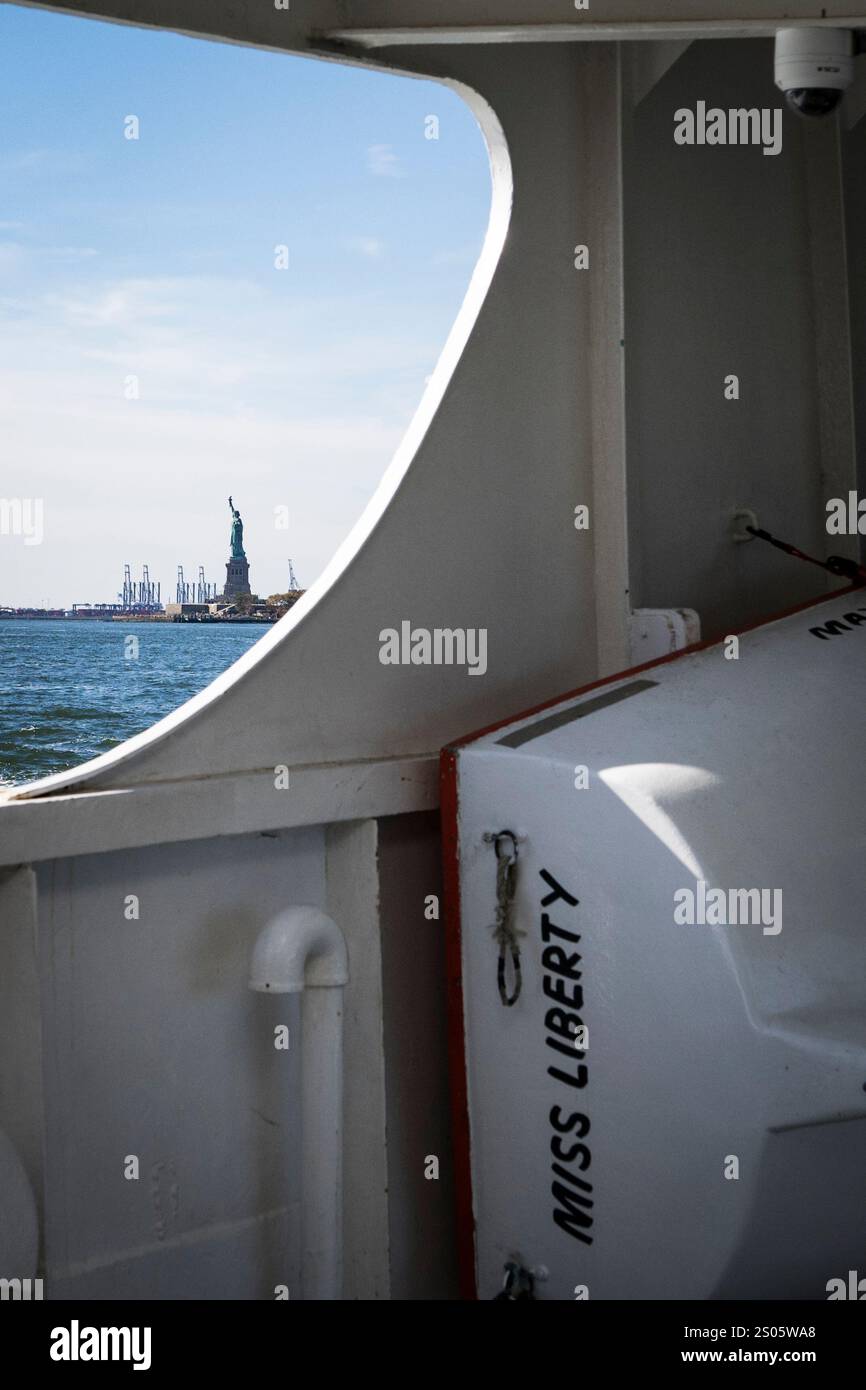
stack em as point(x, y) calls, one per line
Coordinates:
point(565, 383)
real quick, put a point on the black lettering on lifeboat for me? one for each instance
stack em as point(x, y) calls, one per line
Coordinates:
point(572, 1211)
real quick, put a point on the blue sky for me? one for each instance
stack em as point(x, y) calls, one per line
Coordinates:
point(154, 259)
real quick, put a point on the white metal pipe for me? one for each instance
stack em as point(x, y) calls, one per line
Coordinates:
point(302, 951)
point(322, 1143)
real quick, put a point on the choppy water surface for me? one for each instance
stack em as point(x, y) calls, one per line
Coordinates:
point(67, 691)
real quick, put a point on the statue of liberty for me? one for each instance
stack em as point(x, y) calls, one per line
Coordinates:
point(237, 540)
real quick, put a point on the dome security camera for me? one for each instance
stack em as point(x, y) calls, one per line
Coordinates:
point(814, 67)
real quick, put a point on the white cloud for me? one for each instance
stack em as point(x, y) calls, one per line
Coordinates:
point(370, 246)
point(122, 305)
point(237, 395)
point(383, 162)
point(188, 336)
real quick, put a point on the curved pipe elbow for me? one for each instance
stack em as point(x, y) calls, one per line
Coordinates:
point(301, 948)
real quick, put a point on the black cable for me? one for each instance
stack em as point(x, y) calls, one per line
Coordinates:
point(836, 564)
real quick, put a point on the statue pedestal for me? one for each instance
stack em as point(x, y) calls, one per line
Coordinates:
point(237, 577)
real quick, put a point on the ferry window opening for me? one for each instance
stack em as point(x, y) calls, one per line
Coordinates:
point(225, 273)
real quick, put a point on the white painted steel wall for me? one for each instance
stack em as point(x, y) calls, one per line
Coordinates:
point(152, 1044)
point(384, 22)
point(735, 263)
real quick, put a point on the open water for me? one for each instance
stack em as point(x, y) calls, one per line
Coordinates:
point(67, 691)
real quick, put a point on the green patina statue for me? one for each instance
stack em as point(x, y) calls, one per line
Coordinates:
point(237, 541)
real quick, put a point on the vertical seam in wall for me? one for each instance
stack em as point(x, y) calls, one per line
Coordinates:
point(825, 211)
point(602, 131)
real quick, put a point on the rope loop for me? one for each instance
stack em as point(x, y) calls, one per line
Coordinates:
point(504, 931)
